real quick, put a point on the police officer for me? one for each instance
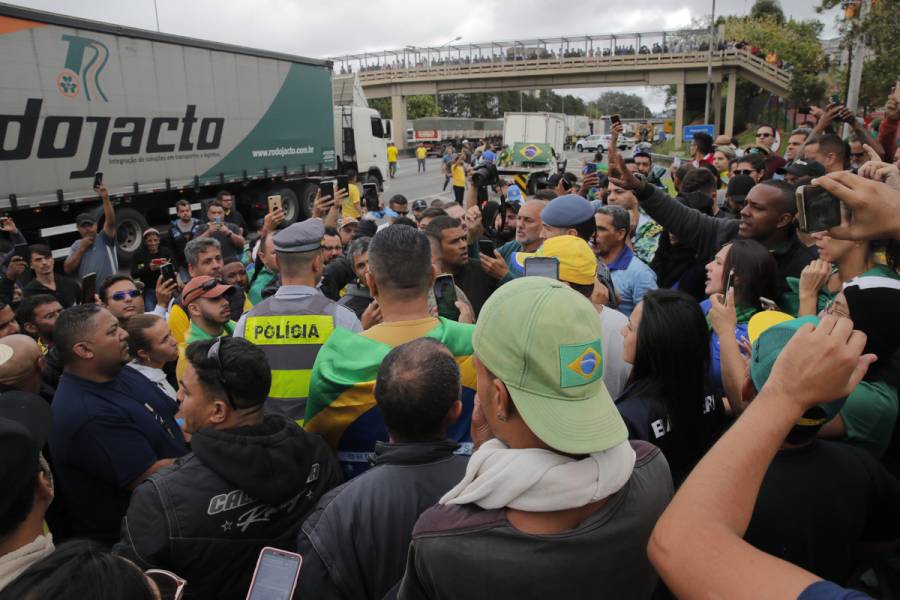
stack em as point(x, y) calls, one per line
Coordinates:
point(293, 324)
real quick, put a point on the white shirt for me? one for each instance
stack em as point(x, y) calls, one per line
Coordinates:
point(615, 370)
point(157, 376)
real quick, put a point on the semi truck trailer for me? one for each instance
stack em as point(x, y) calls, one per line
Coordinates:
point(163, 118)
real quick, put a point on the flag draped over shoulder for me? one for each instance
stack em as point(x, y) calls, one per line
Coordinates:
point(342, 408)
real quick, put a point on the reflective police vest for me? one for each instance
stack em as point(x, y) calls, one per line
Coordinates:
point(290, 332)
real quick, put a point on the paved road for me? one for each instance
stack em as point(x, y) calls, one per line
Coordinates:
point(428, 185)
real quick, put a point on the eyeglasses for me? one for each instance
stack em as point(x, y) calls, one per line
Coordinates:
point(744, 172)
point(119, 296)
point(402, 213)
point(213, 354)
point(763, 135)
point(857, 154)
point(170, 585)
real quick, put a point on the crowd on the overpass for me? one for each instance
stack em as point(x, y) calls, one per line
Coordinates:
point(521, 53)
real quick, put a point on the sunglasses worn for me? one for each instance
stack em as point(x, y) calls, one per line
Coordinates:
point(857, 154)
point(744, 172)
point(119, 296)
point(170, 585)
point(763, 135)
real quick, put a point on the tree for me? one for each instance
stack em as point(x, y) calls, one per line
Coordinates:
point(879, 29)
point(418, 107)
point(763, 9)
point(383, 106)
point(629, 106)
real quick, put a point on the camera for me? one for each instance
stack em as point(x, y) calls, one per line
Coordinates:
point(485, 175)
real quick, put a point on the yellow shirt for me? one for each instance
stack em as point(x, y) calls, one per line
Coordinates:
point(421, 152)
point(392, 153)
point(459, 176)
point(351, 207)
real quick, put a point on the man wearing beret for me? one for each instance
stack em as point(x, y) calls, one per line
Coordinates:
point(292, 325)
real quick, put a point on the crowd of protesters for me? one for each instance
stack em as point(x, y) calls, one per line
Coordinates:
point(698, 399)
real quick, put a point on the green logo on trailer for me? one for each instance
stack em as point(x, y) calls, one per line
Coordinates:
point(85, 60)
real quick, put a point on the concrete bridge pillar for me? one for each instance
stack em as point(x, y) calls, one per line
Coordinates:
point(679, 114)
point(398, 115)
point(717, 107)
point(729, 102)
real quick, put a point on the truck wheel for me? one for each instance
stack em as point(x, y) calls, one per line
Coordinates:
point(129, 231)
point(304, 203)
point(293, 211)
point(580, 148)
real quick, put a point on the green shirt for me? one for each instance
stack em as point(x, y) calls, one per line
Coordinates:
point(195, 334)
point(869, 415)
point(264, 278)
point(790, 300)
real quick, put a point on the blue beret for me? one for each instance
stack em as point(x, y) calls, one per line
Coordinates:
point(567, 211)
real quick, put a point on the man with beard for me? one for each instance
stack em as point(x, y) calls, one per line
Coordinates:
point(528, 239)
point(112, 428)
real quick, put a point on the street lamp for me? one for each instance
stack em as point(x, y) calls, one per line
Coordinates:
point(456, 39)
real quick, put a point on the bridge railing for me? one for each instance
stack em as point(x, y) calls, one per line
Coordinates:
point(427, 71)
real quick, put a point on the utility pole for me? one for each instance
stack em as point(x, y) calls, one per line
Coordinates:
point(156, 11)
point(712, 29)
point(856, 68)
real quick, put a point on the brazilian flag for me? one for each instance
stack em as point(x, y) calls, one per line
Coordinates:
point(342, 408)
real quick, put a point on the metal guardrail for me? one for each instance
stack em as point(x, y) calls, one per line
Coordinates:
point(696, 59)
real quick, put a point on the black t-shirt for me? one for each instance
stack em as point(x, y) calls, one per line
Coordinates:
point(230, 252)
point(477, 285)
point(646, 415)
point(67, 291)
point(817, 502)
point(237, 219)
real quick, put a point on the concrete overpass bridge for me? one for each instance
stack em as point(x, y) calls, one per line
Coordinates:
point(682, 58)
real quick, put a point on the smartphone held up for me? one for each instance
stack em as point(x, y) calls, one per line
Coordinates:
point(817, 209)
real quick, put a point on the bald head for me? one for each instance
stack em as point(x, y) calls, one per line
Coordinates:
point(20, 363)
point(529, 223)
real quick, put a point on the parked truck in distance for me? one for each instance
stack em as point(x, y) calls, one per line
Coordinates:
point(163, 118)
point(536, 141)
point(577, 126)
point(436, 132)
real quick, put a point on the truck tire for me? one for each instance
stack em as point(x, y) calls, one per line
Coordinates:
point(304, 203)
point(130, 226)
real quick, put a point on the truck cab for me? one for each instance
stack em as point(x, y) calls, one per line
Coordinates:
point(361, 143)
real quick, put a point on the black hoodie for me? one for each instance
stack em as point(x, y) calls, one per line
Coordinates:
point(207, 517)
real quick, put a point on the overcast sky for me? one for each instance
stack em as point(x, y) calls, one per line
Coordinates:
point(321, 29)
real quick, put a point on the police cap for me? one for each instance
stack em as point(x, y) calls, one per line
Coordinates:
point(300, 237)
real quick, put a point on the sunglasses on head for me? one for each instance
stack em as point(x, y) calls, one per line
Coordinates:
point(202, 288)
point(213, 354)
point(170, 585)
point(119, 296)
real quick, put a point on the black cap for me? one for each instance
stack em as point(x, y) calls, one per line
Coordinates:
point(24, 427)
point(738, 188)
point(805, 168)
point(83, 218)
point(419, 204)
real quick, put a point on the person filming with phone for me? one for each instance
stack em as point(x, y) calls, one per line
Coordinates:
point(227, 234)
point(95, 252)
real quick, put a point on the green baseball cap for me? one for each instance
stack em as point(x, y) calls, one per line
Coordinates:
point(766, 350)
point(542, 340)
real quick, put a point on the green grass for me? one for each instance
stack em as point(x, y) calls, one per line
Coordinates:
point(668, 147)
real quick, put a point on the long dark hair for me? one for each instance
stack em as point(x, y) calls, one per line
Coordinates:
point(755, 273)
point(673, 350)
point(80, 569)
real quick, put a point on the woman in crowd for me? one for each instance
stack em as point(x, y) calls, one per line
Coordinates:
point(84, 569)
point(839, 262)
point(748, 267)
point(145, 266)
point(722, 158)
point(667, 401)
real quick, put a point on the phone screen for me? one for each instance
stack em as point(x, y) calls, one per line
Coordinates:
point(98, 179)
point(88, 288)
point(615, 119)
point(343, 182)
point(542, 266)
point(486, 247)
point(817, 209)
point(22, 251)
point(326, 188)
point(274, 202)
point(445, 297)
point(275, 576)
